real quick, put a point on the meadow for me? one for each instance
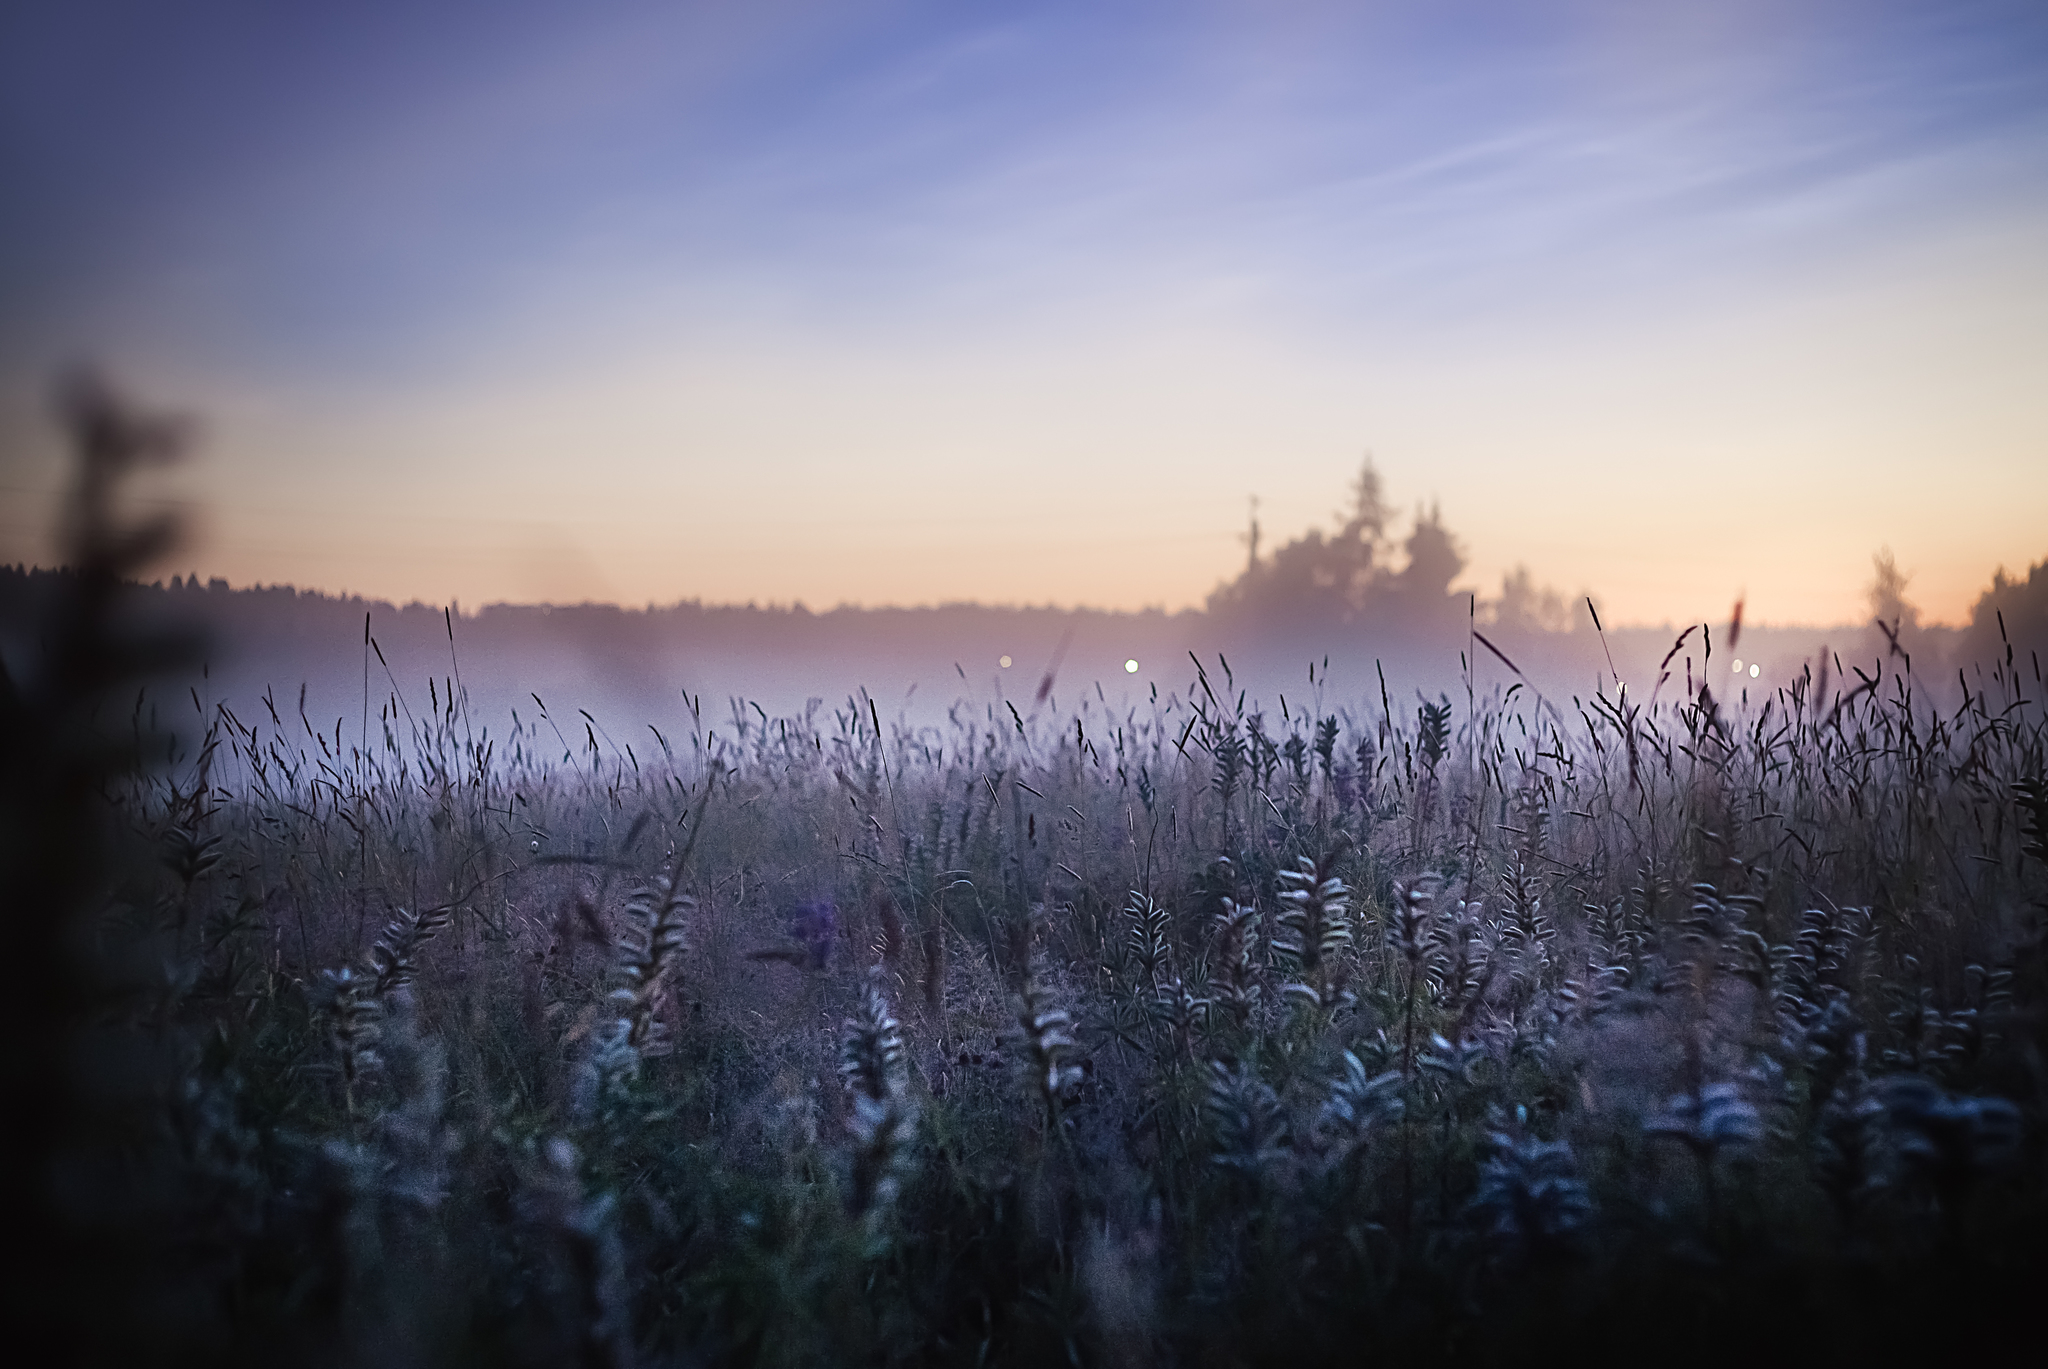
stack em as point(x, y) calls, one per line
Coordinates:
point(1636, 1023)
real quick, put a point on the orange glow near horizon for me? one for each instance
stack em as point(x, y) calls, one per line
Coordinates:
point(1664, 474)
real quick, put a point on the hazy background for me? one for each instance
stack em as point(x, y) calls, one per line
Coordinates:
point(908, 304)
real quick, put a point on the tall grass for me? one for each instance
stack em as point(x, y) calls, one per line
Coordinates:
point(804, 1040)
point(1190, 1035)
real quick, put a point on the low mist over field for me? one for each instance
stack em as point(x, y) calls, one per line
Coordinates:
point(1343, 621)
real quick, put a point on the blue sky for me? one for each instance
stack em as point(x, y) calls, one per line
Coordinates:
point(914, 302)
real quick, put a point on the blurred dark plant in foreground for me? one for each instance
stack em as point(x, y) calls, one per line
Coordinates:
point(83, 1088)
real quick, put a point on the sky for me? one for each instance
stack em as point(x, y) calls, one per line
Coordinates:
point(903, 303)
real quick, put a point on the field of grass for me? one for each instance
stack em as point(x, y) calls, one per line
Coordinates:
point(1499, 1028)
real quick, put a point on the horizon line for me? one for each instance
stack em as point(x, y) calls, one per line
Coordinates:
point(798, 606)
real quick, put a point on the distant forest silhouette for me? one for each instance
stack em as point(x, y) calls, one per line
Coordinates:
point(1352, 610)
point(1347, 582)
